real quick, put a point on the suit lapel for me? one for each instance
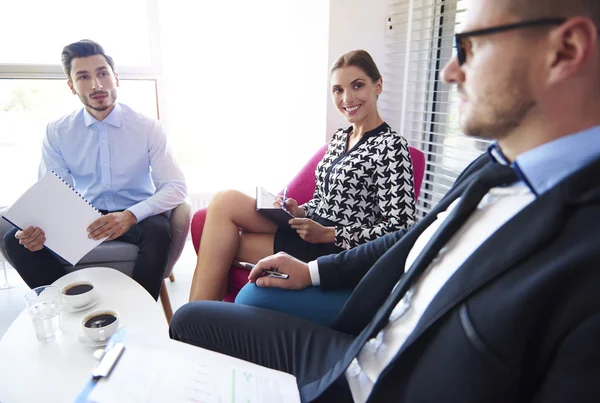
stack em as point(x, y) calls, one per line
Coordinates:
point(538, 222)
point(364, 303)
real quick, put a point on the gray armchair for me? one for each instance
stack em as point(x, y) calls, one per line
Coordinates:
point(122, 256)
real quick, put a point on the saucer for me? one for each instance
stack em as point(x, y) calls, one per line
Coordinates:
point(83, 339)
point(90, 304)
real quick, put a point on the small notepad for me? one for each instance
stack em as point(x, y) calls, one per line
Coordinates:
point(264, 205)
point(55, 207)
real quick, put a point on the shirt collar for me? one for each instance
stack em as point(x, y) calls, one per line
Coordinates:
point(113, 118)
point(382, 128)
point(545, 166)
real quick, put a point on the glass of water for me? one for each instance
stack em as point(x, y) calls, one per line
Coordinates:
point(44, 304)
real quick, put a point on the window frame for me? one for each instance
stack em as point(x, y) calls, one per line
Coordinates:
point(151, 72)
point(419, 41)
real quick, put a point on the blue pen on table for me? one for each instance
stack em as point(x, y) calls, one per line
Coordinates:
point(284, 197)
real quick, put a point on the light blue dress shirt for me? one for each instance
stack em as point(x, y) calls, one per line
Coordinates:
point(545, 166)
point(120, 163)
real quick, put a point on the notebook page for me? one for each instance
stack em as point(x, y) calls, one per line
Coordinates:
point(264, 199)
point(60, 212)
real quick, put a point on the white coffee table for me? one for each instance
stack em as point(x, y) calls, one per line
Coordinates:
point(57, 370)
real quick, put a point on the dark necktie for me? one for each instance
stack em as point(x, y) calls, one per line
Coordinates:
point(492, 175)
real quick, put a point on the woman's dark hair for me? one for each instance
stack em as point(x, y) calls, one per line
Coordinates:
point(358, 58)
point(82, 48)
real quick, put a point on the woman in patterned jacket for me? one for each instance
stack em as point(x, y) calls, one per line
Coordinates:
point(364, 190)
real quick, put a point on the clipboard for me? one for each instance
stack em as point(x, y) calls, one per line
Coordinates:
point(154, 368)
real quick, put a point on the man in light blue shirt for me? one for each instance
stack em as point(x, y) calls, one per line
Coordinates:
point(118, 160)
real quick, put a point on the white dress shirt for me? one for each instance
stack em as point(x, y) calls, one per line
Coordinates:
point(494, 210)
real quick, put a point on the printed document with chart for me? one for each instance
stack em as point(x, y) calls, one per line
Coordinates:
point(171, 371)
point(54, 206)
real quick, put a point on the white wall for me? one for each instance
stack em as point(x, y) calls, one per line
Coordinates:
point(243, 89)
point(354, 24)
point(225, 71)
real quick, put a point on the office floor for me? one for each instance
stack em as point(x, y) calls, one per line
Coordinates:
point(12, 301)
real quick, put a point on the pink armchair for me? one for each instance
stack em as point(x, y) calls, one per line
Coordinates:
point(300, 188)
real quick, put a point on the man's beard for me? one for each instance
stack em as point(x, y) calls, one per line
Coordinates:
point(86, 99)
point(496, 114)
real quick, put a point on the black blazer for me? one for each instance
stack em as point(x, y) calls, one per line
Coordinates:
point(518, 322)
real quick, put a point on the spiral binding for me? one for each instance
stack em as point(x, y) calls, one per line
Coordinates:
point(76, 192)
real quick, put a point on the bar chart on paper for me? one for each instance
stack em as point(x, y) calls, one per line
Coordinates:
point(204, 384)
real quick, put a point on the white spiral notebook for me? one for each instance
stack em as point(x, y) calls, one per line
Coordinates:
point(63, 214)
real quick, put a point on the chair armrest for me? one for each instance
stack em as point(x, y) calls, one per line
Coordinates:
point(180, 219)
point(197, 227)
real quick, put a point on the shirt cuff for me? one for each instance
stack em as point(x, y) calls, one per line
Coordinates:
point(313, 270)
point(141, 211)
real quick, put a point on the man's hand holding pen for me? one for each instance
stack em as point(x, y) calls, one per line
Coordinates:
point(299, 276)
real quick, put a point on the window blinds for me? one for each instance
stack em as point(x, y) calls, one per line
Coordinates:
point(419, 41)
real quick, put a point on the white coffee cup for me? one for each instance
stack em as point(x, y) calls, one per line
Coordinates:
point(79, 293)
point(100, 325)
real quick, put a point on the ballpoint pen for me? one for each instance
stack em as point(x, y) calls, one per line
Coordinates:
point(276, 274)
point(284, 197)
point(270, 273)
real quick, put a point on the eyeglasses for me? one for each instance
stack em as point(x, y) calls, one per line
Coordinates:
point(458, 38)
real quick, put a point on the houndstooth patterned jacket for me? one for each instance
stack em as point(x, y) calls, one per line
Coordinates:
point(367, 191)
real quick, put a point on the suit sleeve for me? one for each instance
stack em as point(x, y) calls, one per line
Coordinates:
point(574, 374)
point(394, 187)
point(347, 268)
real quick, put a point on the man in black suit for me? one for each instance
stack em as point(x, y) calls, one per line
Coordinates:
point(494, 295)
